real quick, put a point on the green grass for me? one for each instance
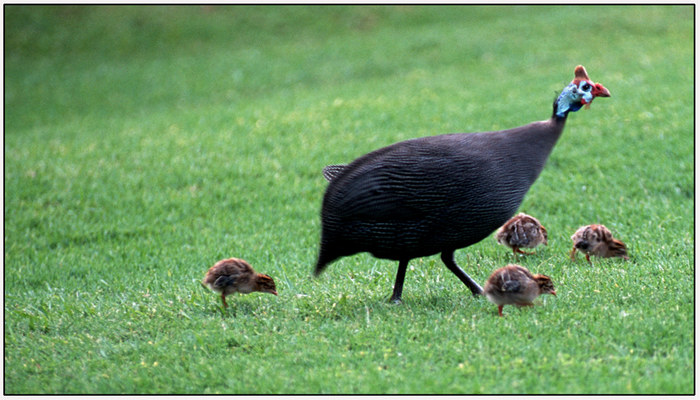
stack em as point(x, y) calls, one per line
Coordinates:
point(143, 144)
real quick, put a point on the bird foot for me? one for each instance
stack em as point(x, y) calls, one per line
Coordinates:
point(395, 300)
point(476, 290)
point(572, 254)
point(518, 251)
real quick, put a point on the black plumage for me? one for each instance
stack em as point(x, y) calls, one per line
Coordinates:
point(437, 194)
point(331, 171)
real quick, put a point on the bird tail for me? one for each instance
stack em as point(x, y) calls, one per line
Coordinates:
point(319, 268)
point(331, 172)
point(324, 258)
point(320, 265)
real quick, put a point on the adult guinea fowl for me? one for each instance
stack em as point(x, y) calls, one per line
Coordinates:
point(440, 193)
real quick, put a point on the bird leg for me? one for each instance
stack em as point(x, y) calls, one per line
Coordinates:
point(448, 257)
point(588, 258)
point(398, 285)
point(500, 310)
point(517, 250)
point(223, 299)
point(572, 255)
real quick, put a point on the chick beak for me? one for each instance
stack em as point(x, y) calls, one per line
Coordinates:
point(553, 293)
point(274, 292)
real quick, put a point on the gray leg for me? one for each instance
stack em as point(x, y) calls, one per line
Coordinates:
point(448, 257)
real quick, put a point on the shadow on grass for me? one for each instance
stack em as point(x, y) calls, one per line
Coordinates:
point(358, 307)
point(237, 306)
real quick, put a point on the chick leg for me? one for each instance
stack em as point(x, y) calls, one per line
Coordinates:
point(517, 250)
point(572, 255)
point(223, 300)
point(500, 310)
point(448, 257)
point(588, 258)
point(398, 285)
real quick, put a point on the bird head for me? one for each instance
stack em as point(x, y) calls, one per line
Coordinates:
point(582, 245)
point(266, 284)
point(580, 92)
point(545, 284)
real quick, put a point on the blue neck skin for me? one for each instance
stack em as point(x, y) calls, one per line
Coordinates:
point(569, 100)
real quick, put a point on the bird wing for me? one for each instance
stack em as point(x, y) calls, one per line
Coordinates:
point(510, 286)
point(379, 193)
point(522, 233)
point(224, 280)
point(331, 172)
point(409, 181)
point(512, 279)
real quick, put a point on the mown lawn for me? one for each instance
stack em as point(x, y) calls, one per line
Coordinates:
point(143, 144)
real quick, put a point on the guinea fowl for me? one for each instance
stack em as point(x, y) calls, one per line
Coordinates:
point(514, 284)
point(522, 231)
point(437, 194)
point(233, 275)
point(597, 240)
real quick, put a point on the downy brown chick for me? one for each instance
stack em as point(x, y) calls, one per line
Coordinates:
point(597, 240)
point(233, 275)
point(514, 284)
point(522, 231)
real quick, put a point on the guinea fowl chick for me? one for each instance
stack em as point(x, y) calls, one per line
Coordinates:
point(514, 284)
point(598, 241)
point(235, 275)
point(522, 231)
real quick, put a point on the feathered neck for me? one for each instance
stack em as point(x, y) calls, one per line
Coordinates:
point(556, 116)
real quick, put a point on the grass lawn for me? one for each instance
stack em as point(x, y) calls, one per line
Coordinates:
point(143, 144)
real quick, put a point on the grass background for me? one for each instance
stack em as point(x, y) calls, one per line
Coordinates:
point(143, 144)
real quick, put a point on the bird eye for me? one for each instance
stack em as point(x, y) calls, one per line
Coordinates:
point(586, 87)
